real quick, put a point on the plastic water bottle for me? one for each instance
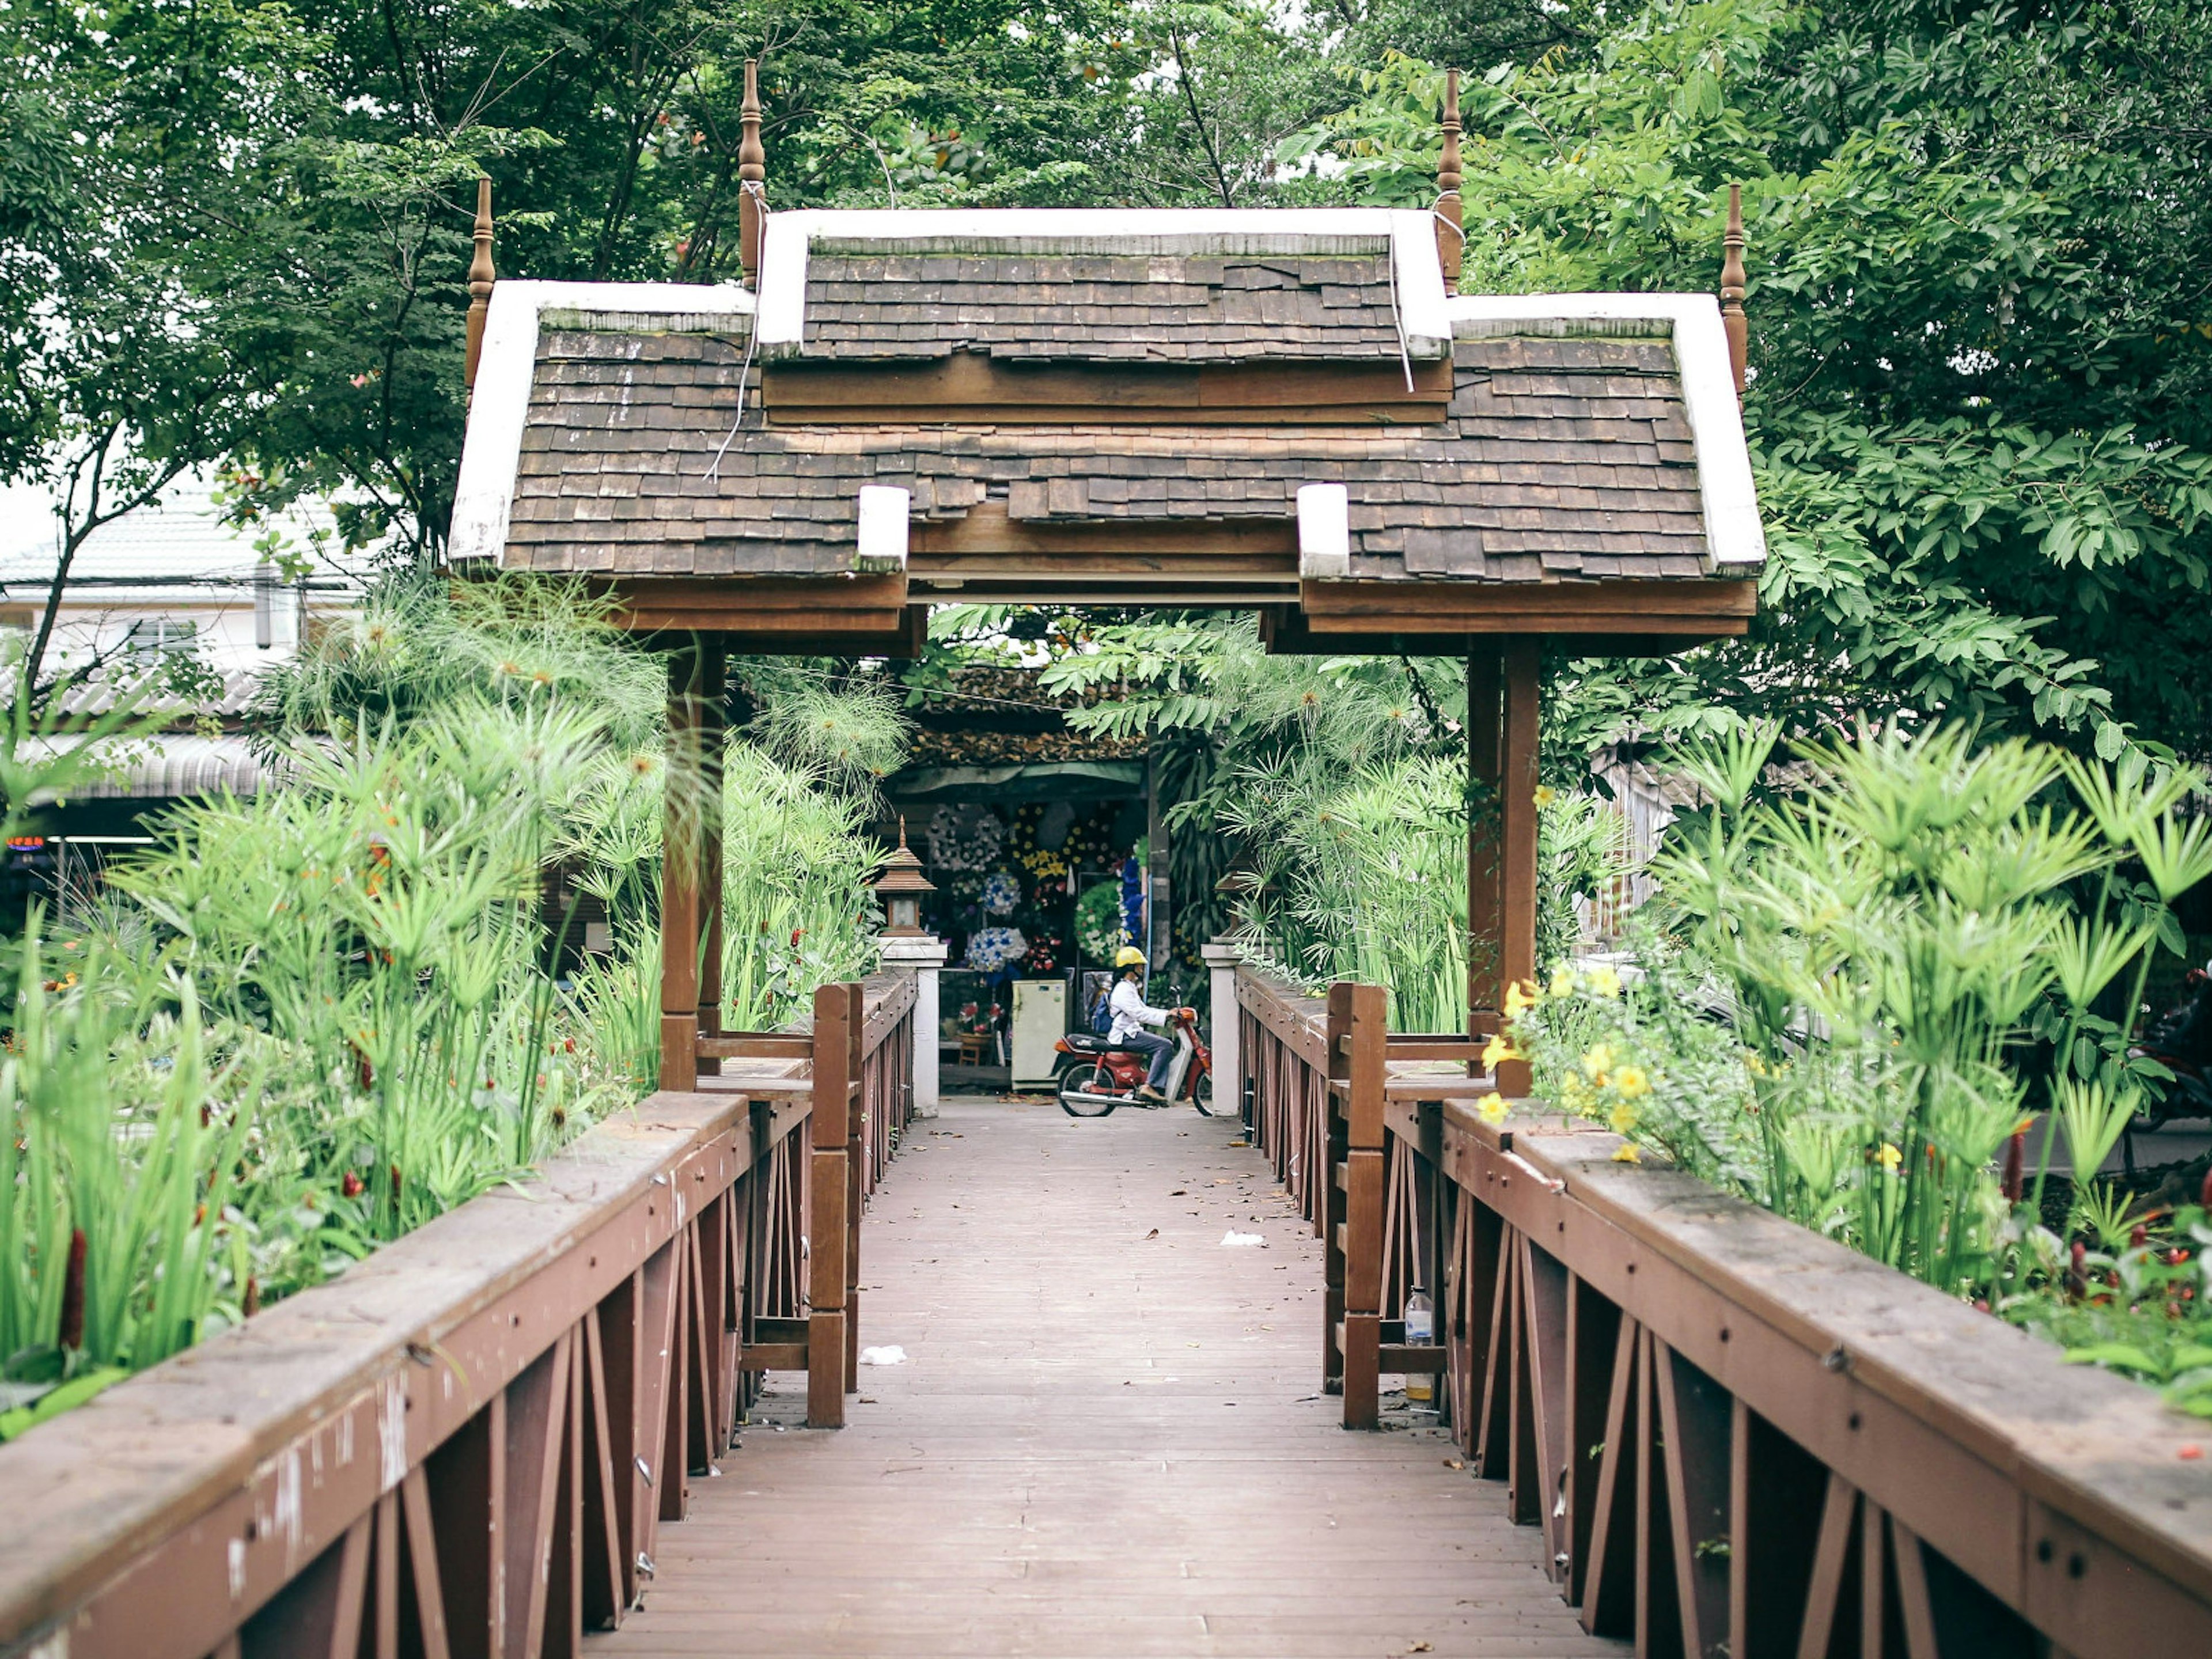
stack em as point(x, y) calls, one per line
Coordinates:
point(1420, 1332)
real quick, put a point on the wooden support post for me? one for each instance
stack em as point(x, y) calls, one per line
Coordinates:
point(829, 1183)
point(1516, 855)
point(679, 877)
point(856, 1170)
point(714, 735)
point(1362, 1244)
point(1329, 1203)
point(1485, 944)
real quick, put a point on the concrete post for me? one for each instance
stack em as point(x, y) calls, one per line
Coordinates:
point(1221, 958)
point(921, 955)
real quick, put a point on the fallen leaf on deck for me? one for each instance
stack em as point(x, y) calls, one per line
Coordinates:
point(1155, 1233)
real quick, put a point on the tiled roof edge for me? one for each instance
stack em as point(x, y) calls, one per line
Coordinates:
point(1410, 238)
point(499, 405)
point(1734, 538)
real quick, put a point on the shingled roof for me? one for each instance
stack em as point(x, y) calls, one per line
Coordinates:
point(1101, 307)
point(1561, 456)
point(617, 429)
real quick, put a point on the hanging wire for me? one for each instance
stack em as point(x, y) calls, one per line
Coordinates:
point(1405, 352)
point(750, 187)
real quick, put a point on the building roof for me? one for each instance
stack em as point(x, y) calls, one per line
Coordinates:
point(1561, 456)
point(1100, 308)
point(181, 539)
point(1181, 375)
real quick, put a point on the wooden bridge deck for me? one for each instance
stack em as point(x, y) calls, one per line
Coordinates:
point(1105, 1439)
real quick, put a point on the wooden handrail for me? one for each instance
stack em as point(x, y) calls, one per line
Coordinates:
point(1821, 1432)
point(513, 1395)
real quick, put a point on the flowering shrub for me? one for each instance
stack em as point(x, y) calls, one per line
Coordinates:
point(1833, 1027)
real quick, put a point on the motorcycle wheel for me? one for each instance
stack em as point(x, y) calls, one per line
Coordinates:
point(1093, 1080)
point(1204, 1100)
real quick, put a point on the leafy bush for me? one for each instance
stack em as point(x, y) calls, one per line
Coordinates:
point(1838, 1027)
point(303, 1025)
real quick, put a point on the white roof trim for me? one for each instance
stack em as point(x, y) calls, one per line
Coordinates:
point(484, 496)
point(1324, 532)
point(1409, 237)
point(1734, 534)
point(882, 529)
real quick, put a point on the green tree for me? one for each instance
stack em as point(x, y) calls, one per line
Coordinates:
point(1979, 333)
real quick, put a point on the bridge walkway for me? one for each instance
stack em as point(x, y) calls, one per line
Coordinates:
point(1104, 1438)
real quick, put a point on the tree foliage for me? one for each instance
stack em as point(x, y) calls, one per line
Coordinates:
point(1979, 244)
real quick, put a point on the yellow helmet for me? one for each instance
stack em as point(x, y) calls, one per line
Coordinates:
point(1128, 956)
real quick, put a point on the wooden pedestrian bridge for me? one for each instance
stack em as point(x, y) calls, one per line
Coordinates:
point(622, 1410)
point(626, 1407)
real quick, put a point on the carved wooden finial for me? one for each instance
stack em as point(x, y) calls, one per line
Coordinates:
point(1732, 290)
point(481, 278)
point(752, 169)
point(1451, 236)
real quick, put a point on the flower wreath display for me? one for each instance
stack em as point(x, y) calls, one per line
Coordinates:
point(1001, 893)
point(965, 837)
point(990, 949)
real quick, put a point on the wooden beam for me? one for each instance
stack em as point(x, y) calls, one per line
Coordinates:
point(968, 385)
point(679, 873)
point(1285, 631)
point(714, 734)
point(1485, 922)
point(1516, 860)
point(987, 528)
point(1700, 607)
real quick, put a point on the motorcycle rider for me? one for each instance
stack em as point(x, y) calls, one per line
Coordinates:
point(1132, 1013)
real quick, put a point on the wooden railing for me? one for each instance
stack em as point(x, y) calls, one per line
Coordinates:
point(1738, 1438)
point(467, 1444)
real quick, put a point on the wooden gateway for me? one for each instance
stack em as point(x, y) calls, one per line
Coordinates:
point(1290, 410)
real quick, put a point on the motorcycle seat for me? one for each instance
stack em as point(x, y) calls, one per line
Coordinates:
point(1089, 1043)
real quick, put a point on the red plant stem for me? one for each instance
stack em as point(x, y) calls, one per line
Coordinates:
point(72, 1336)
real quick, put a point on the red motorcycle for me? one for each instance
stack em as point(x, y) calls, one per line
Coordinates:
point(1094, 1077)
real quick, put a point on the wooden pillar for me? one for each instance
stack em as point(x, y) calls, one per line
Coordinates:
point(856, 1171)
point(680, 875)
point(1516, 859)
point(714, 735)
point(1485, 956)
point(1357, 1064)
point(828, 1184)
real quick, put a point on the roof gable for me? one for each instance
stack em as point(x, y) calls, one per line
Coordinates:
point(681, 434)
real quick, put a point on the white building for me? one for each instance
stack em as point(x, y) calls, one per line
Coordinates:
point(174, 577)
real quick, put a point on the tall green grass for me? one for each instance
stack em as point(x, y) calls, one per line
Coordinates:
point(1362, 875)
point(304, 1023)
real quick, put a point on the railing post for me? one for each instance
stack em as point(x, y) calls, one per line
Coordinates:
point(828, 1185)
point(922, 955)
point(1221, 958)
point(679, 876)
point(856, 1153)
point(1352, 1199)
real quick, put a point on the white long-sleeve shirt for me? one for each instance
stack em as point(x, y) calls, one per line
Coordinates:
point(1131, 1010)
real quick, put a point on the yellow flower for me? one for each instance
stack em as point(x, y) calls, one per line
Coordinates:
point(1631, 1081)
point(1597, 1062)
point(1603, 981)
point(1492, 1109)
point(1621, 1118)
point(1573, 1094)
point(1496, 1049)
point(1626, 1153)
point(1889, 1157)
point(1521, 993)
point(1546, 796)
point(1563, 980)
point(1753, 1064)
